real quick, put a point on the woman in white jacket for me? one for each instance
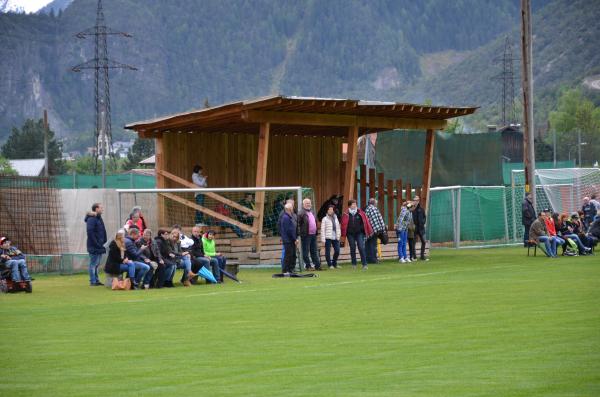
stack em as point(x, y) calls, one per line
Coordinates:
point(331, 233)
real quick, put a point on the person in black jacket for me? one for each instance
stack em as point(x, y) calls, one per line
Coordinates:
point(136, 255)
point(528, 215)
point(419, 219)
point(288, 229)
point(117, 261)
point(96, 238)
point(149, 249)
point(166, 268)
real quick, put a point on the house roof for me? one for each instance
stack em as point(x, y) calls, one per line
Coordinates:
point(149, 160)
point(28, 167)
point(291, 115)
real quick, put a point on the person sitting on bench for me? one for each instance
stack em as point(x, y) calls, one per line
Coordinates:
point(537, 233)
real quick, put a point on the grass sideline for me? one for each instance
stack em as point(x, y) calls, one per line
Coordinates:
point(488, 322)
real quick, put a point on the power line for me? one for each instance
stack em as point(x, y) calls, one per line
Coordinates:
point(101, 65)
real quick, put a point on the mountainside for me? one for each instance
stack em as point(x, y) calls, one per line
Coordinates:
point(565, 54)
point(55, 6)
point(225, 50)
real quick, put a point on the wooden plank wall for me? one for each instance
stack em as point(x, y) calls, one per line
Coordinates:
point(229, 160)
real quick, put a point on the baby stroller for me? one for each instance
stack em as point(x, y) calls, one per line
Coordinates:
point(7, 285)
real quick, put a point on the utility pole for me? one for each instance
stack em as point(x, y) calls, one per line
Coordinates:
point(45, 143)
point(579, 147)
point(527, 82)
point(101, 64)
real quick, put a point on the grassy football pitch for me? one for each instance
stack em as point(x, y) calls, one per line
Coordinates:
point(468, 323)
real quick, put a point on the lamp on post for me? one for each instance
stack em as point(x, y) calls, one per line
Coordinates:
point(578, 147)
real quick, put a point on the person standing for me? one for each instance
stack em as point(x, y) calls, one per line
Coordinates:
point(289, 237)
point(199, 180)
point(412, 252)
point(331, 232)
point(378, 225)
point(96, 238)
point(419, 218)
point(307, 225)
point(404, 219)
point(356, 227)
point(527, 216)
point(589, 211)
point(291, 201)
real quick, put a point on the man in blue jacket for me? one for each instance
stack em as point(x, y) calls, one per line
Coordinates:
point(140, 261)
point(289, 237)
point(96, 238)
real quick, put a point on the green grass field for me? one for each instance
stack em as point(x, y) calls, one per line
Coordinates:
point(468, 323)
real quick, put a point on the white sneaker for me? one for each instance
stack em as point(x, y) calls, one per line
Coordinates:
point(331, 267)
point(408, 260)
point(402, 260)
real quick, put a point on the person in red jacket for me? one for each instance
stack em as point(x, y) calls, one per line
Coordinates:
point(551, 228)
point(356, 227)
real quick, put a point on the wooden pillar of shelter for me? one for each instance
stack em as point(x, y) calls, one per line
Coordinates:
point(160, 179)
point(429, 146)
point(261, 180)
point(351, 160)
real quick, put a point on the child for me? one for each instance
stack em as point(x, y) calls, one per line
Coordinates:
point(217, 261)
point(14, 259)
point(402, 222)
point(411, 235)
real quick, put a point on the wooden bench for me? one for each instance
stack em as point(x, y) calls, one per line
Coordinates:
point(532, 244)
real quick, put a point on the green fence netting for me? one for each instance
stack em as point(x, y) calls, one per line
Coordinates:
point(118, 181)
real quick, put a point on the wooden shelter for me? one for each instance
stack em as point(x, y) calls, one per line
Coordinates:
point(281, 141)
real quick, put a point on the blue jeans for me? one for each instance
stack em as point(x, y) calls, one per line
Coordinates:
point(129, 268)
point(402, 237)
point(550, 244)
point(371, 249)
point(353, 241)
point(336, 252)
point(309, 246)
point(577, 240)
point(95, 260)
point(184, 263)
point(18, 269)
point(282, 256)
point(140, 271)
point(234, 228)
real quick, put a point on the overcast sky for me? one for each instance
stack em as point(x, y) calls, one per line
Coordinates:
point(30, 5)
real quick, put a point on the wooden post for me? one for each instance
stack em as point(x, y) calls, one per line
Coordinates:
point(261, 180)
point(160, 179)
point(390, 203)
point(355, 188)
point(342, 176)
point(351, 159)
point(399, 199)
point(380, 192)
point(363, 185)
point(372, 182)
point(426, 185)
point(408, 192)
point(46, 133)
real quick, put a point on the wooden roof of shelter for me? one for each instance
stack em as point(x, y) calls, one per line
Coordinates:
point(303, 116)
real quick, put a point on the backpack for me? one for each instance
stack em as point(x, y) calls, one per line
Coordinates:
point(571, 248)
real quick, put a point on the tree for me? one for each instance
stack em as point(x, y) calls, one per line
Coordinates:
point(28, 143)
point(141, 149)
point(576, 114)
point(5, 168)
point(86, 165)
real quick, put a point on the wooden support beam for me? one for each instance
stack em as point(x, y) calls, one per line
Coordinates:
point(207, 211)
point(408, 192)
point(363, 185)
point(390, 203)
point(372, 182)
point(381, 192)
point(159, 166)
point(212, 195)
point(261, 180)
point(429, 146)
point(351, 159)
point(341, 120)
point(399, 198)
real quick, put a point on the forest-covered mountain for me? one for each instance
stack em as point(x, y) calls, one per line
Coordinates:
point(222, 50)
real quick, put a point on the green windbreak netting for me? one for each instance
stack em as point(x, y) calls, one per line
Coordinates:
point(507, 168)
point(459, 159)
point(119, 181)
